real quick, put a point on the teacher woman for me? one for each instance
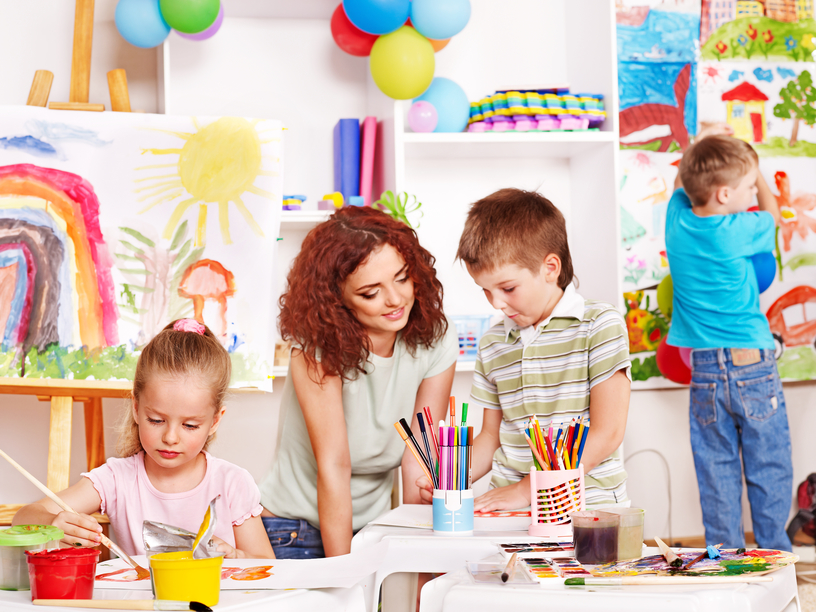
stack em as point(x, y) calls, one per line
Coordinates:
point(370, 345)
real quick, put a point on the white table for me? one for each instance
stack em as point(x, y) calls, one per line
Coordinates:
point(456, 591)
point(295, 600)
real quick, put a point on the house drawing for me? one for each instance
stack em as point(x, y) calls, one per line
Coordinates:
point(804, 9)
point(750, 8)
point(714, 14)
point(781, 10)
point(745, 108)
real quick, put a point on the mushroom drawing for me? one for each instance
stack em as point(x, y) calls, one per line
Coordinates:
point(207, 279)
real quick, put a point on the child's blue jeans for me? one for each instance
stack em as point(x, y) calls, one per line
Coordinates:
point(293, 538)
point(740, 408)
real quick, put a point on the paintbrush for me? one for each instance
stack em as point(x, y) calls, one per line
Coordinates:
point(511, 567)
point(700, 557)
point(675, 580)
point(141, 572)
point(122, 604)
point(671, 557)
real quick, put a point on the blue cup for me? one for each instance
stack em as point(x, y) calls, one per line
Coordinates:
point(453, 512)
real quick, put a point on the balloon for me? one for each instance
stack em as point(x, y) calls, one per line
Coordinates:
point(665, 295)
point(440, 19)
point(438, 45)
point(140, 22)
point(765, 268)
point(402, 64)
point(451, 104)
point(685, 355)
point(209, 32)
point(349, 38)
point(422, 116)
point(377, 16)
point(671, 365)
point(190, 16)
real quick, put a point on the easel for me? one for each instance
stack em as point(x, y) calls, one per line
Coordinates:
point(81, 72)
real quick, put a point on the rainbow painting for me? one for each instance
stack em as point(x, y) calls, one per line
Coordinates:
point(114, 224)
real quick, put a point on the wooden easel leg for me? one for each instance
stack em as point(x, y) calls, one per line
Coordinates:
point(81, 58)
point(40, 88)
point(59, 443)
point(117, 84)
point(94, 433)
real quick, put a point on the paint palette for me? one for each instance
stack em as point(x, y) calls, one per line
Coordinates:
point(542, 568)
point(538, 549)
point(731, 563)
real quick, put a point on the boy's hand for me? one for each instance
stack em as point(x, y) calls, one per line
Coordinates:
point(709, 128)
point(511, 497)
point(425, 490)
point(80, 529)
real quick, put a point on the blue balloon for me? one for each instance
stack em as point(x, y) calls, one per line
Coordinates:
point(377, 16)
point(451, 104)
point(140, 22)
point(440, 19)
point(765, 268)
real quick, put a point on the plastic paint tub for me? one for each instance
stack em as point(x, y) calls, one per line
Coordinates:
point(630, 532)
point(13, 544)
point(595, 536)
point(177, 576)
point(62, 573)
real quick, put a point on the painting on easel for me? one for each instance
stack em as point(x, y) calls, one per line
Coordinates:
point(114, 224)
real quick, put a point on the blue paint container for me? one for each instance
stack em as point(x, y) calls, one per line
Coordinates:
point(453, 512)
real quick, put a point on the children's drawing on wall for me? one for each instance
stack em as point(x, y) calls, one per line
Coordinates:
point(770, 105)
point(775, 30)
point(104, 238)
point(657, 79)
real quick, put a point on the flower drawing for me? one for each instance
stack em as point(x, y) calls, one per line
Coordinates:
point(752, 32)
point(768, 36)
point(721, 47)
point(742, 39)
point(794, 212)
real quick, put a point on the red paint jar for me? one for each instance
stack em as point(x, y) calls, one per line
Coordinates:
point(62, 573)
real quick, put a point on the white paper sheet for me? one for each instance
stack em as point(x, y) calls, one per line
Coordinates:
point(333, 572)
point(420, 516)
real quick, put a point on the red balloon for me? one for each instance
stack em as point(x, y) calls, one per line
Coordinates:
point(349, 37)
point(670, 363)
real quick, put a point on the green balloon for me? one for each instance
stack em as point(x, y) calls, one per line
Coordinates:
point(665, 294)
point(190, 16)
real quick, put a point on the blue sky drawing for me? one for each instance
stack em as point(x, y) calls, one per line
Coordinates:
point(664, 36)
point(653, 83)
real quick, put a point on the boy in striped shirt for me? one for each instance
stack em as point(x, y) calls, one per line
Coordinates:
point(556, 356)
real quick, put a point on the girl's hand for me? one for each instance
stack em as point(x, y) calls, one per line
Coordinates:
point(231, 552)
point(80, 529)
point(511, 497)
point(425, 490)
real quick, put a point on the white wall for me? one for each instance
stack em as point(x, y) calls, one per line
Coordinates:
point(38, 34)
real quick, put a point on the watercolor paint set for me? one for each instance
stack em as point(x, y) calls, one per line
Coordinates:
point(542, 568)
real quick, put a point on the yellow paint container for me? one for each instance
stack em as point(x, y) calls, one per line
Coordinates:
point(177, 576)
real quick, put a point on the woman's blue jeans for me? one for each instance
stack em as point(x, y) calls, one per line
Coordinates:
point(740, 408)
point(293, 538)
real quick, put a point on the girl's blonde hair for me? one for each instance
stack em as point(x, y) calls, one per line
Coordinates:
point(177, 353)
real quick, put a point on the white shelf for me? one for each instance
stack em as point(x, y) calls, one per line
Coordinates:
point(505, 144)
point(461, 366)
point(303, 219)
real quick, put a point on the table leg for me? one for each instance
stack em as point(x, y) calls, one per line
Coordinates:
point(59, 443)
point(94, 433)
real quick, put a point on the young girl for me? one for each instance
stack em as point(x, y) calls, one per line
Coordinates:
point(165, 473)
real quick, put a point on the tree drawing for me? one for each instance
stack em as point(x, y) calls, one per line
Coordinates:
point(798, 100)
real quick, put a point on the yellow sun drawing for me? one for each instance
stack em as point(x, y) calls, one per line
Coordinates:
point(217, 165)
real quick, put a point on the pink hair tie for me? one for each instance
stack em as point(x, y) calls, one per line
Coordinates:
point(189, 325)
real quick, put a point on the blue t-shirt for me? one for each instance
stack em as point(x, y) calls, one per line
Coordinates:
point(716, 297)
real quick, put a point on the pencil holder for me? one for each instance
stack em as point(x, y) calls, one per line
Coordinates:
point(553, 495)
point(453, 512)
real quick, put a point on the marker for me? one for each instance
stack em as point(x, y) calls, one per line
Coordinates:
point(452, 410)
point(464, 415)
point(421, 421)
point(470, 458)
point(413, 449)
point(404, 424)
point(444, 459)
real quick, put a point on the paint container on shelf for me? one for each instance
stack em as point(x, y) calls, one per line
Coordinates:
point(177, 576)
point(453, 512)
point(14, 542)
point(62, 573)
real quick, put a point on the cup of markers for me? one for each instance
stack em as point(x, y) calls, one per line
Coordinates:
point(447, 463)
point(557, 476)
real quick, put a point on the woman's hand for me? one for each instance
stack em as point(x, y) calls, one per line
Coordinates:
point(79, 529)
point(511, 497)
point(426, 489)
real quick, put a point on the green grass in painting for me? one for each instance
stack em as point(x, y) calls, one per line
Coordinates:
point(644, 368)
point(249, 368)
point(791, 41)
point(649, 146)
point(798, 363)
point(780, 147)
point(112, 362)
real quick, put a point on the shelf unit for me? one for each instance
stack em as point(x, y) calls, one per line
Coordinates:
point(276, 59)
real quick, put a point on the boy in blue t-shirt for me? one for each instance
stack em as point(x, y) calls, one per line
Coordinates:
point(736, 395)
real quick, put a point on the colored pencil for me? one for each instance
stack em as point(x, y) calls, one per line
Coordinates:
point(579, 435)
point(581, 447)
point(539, 459)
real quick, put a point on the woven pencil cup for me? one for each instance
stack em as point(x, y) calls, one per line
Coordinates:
point(553, 495)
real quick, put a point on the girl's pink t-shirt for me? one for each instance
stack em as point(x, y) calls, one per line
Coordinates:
point(128, 498)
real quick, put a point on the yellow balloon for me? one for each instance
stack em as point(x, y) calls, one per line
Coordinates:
point(402, 63)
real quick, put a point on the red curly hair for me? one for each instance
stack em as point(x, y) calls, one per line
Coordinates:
point(312, 313)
